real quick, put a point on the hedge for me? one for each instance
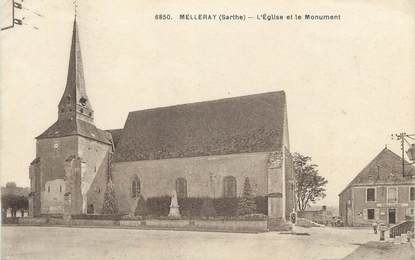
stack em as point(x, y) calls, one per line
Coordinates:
point(158, 206)
point(192, 207)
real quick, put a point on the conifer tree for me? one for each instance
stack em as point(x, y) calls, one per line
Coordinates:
point(246, 203)
point(110, 201)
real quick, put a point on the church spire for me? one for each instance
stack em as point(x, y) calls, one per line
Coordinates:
point(74, 103)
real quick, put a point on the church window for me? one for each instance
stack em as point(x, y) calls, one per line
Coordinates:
point(62, 110)
point(135, 187)
point(181, 188)
point(68, 99)
point(412, 193)
point(48, 188)
point(60, 188)
point(229, 187)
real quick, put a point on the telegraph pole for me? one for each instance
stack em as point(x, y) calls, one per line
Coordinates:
point(402, 137)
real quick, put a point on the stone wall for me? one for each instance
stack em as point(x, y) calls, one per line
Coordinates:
point(52, 153)
point(94, 176)
point(204, 176)
point(93, 168)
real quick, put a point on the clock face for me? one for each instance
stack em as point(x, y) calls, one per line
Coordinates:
point(56, 145)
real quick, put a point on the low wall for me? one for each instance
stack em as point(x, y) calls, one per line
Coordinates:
point(32, 221)
point(208, 225)
point(94, 222)
point(232, 225)
point(216, 225)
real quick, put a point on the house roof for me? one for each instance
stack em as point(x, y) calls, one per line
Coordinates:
point(69, 127)
point(385, 168)
point(253, 123)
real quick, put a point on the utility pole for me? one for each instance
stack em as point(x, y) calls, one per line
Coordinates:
point(402, 137)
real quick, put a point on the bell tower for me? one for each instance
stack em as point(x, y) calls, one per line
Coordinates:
point(74, 103)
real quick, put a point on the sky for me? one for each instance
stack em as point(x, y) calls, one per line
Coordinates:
point(350, 84)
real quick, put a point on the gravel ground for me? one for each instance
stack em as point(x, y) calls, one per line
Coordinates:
point(24, 242)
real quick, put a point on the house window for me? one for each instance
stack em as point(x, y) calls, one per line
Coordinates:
point(181, 188)
point(229, 187)
point(412, 193)
point(135, 187)
point(392, 195)
point(370, 194)
point(370, 214)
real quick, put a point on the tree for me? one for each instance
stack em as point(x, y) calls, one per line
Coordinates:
point(141, 208)
point(246, 204)
point(110, 201)
point(15, 203)
point(310, 186)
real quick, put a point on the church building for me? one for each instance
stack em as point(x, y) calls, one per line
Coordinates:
point(203, 149)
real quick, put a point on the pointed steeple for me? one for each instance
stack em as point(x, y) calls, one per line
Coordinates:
point(74, 103)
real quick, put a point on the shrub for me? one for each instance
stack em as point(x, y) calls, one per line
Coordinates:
point(208, 210)
point(141, 208)
point(190, 207)
point(226, 207)
point(158, 206)
point(246, 204)
point(261, 205)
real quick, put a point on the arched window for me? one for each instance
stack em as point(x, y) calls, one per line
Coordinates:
point(135, 187)
point(181, 188)
point(229, 187)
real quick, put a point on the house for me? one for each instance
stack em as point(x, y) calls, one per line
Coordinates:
point(319, 215)
point(203, 149)
point(381, 192)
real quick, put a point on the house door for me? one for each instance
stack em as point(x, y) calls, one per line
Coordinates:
point(392, 216)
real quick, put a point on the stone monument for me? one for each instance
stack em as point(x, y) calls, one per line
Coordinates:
point(174, 207)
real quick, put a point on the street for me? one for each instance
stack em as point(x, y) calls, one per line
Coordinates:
point(24, 242)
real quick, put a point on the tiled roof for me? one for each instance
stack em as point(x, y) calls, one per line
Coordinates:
point(385, 168)
point(116, 135)
point(69, 127)
point(253, 123)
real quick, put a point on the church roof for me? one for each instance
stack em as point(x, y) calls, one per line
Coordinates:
point(253, 123)
point(116, 135)
point(385, 168)
point(69, 127)
point(70, 121)
point(75, 82)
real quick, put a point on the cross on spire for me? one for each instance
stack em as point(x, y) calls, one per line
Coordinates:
point(75, 4)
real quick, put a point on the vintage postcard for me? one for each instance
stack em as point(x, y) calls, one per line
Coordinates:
point(207, 130)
